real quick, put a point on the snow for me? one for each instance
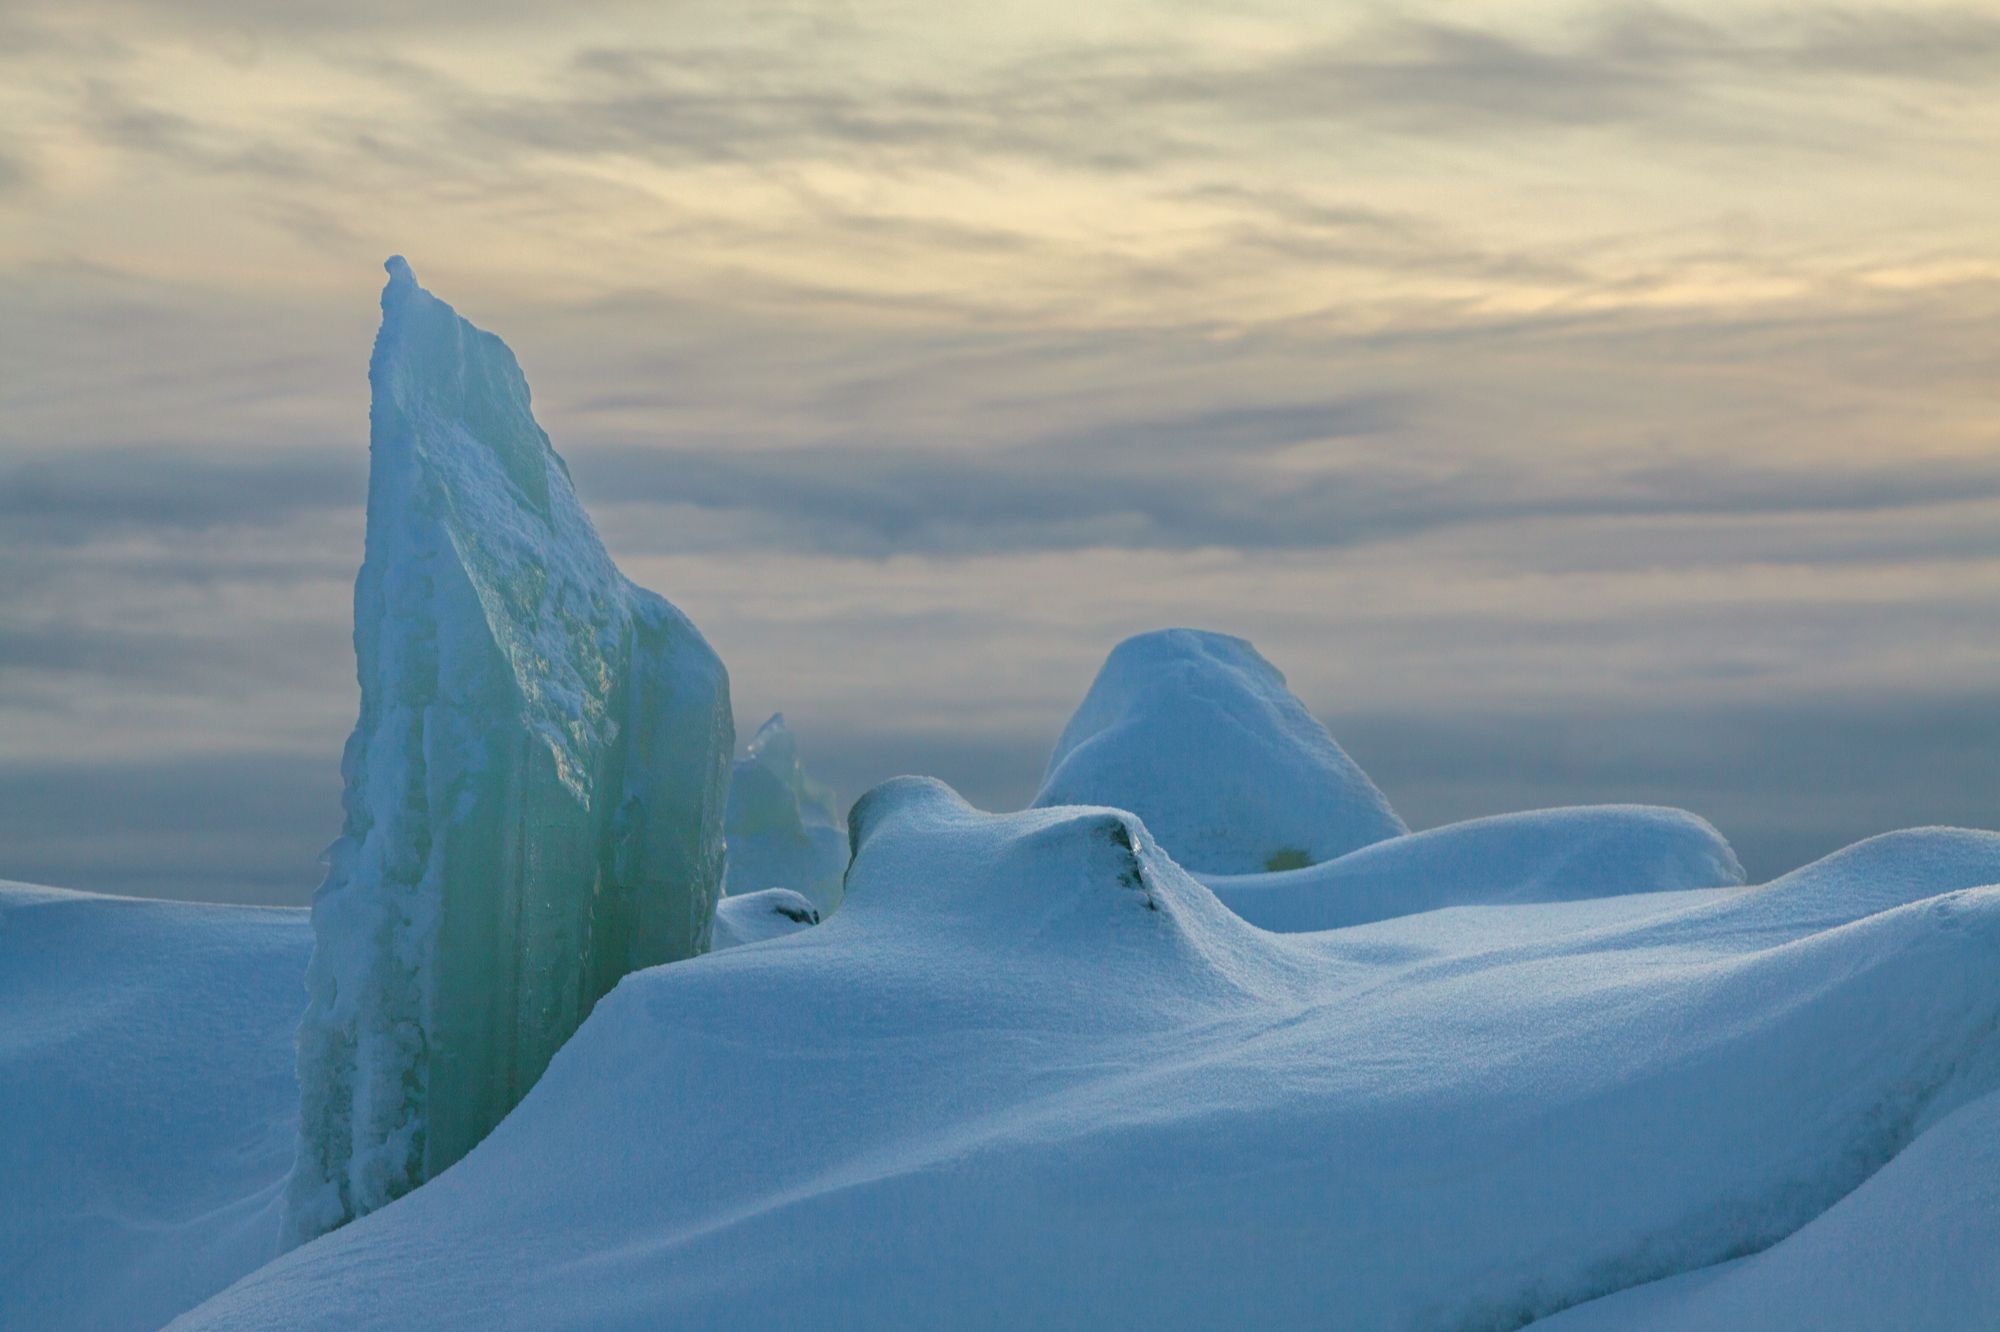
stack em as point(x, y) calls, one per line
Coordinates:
point(784, 828)
point(535, 786)
point(1197, 734)
point(1034, 1074)
point(768, 913)
point(147, 1106)
point(1550, 855)
point(1916, 1246)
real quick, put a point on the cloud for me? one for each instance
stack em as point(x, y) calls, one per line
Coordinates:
point(1129, 107)
point(83, 494)
point(1126, 488)
point(1539, 386)
point(234, 828)
point(1314, 475)
point(1787, 781)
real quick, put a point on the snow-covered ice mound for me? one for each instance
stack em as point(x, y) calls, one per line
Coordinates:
point(1549, 855)
point(768, 913)
point(147, 1107)
point(1033, 1074)
point(1197, 734)
point(784, 828)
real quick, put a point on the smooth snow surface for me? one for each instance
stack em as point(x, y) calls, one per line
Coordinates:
point(1917, 1247)
point(535, 786)
point(1032, 1074)
point(1549, 855)
point(768, 913)
point(785, 829)
point(1197, 734)
point(147, 1107)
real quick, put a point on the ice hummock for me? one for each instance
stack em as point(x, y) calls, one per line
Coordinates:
point(1197, 734)
point(785, 829)
point(535, 787)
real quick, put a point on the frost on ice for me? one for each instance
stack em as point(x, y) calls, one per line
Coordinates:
point(785, 829)
point(534, 790)
point(1197, 734)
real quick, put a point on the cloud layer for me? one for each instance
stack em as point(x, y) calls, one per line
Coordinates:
point(1581, 403)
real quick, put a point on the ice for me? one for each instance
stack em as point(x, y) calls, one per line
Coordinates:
point(1198, 735)
point(785, 829)
point(768, 913)
point(535, 786)
point(1033, 1074)
point(1549, 855)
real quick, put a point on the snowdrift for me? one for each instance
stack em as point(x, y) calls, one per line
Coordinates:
point(147, 1105)
point(1550, 855)
point(1034, 1074)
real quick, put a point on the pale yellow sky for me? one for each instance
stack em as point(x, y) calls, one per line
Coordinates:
point(1478, 360)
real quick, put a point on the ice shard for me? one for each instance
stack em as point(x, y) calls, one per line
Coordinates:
point(534, 791)
point(785, 829)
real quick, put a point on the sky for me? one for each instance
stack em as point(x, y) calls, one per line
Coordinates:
point(1579, 403)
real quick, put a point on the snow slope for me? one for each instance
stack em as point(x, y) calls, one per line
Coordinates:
point(1033, 1074)
point(1549, 855)
point(147, 1105)
point(1916, 1248)
point(1197, 734)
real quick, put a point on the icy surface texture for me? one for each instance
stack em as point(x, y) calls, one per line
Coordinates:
point(1049, 1080)
point(147, 1107)
point(785, 830)
point(768, 913)
point(535, 787)
point(1197, 734)
point(1549, 855)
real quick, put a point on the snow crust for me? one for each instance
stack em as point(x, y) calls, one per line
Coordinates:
point(1550, 855)
point(147, 1107)
point(1048, 1079)
point(1198, 735)
point(535, 786)
point(785, 829)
